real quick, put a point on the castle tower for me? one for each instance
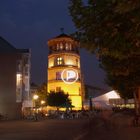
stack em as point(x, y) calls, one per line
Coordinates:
point(64, 72)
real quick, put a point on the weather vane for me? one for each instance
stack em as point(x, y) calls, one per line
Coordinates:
point(62, 30)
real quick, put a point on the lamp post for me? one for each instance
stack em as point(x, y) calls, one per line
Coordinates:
point(90, 103)
point(42, 102)
point(35, 97)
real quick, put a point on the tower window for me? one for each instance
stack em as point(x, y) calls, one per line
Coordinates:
point(57, 47)
point(59, 61)
point(61, 46)
point(67, 46)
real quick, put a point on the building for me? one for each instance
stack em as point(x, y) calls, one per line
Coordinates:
point(14, 79)
point(103, 101)
point(98, 98)
point(92, 91)
point(64, 72)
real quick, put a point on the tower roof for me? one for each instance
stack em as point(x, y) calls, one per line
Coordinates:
point(63, 35)
point(62, 38)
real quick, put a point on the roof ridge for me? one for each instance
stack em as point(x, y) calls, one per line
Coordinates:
point(5, 46)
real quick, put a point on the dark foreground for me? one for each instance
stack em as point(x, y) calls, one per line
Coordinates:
point(41, 130)
point(115, 127)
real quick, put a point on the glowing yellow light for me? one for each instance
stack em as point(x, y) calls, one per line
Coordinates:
point(76, 101)
point(42, 102)
point(35, 97)
point(19, 78)
point(59, 58)
point(69, 62)
point(51, 62)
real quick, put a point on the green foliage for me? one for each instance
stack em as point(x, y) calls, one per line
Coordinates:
point(111, 29)
point(105, 26)
point(121, 85)
point(42, 92)
point(58, 99)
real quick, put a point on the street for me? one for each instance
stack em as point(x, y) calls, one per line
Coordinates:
point(114, 127)
point(42, 130)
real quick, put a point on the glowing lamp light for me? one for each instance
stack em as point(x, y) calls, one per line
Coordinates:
point(35, 97)
point(42, 102)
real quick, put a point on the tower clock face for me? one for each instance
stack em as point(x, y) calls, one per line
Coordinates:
point(69, 75)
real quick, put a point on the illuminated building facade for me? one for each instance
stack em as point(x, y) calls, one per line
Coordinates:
point(14, 79)
point(64, 72)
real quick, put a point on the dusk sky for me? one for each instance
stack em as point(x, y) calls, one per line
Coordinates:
point(31, 23)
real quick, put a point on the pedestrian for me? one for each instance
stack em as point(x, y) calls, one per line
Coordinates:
point(136, 120)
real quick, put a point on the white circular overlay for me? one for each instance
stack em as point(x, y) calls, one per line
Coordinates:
point(69, 75)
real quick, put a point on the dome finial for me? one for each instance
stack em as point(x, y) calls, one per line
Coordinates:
point(62, 30)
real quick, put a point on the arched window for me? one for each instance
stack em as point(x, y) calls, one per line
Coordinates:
point(61, 46)
point(67, 46)
point(57, 47)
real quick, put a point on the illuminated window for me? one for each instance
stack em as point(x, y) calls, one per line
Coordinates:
point(61, 46)
point(67, 46)
point(18, 80)
point(59, 61)
point(57, 47)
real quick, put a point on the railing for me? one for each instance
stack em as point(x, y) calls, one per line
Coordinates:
point(63, 51)
point(60, 80)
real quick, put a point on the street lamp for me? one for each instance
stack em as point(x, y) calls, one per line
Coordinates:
point(35, 97)
point(42, 102)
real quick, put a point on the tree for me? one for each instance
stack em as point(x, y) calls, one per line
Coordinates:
point(58, 99)
point(42, 93)
point(111, 29)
